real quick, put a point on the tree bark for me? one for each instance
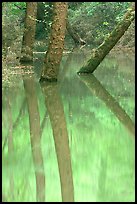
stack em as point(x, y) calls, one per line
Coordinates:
point(29, 32)
point(99, 54)
point(75, 36)
point(57, 118)
point(35, 138)
point(54, 54)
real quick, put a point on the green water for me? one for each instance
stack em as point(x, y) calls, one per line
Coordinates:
point(101, 146)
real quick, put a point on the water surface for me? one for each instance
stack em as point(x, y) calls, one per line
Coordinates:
point(98, 115)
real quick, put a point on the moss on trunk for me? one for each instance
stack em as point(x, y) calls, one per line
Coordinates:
point(99, 54)
point(54, 54)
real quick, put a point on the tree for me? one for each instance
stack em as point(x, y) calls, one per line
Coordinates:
point(29, 32)
point(99, 54)
point(56, 45)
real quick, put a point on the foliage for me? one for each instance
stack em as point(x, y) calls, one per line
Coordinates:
point(92, 20)
point(100, 18)
point(11, 32)
point(96, 137)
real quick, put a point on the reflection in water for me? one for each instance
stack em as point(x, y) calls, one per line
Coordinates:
point(102, 179)
point(99, 151)
point(35, 138)
point(60, 134)
point(96, 88)
point(15, 124)
point(10, 144)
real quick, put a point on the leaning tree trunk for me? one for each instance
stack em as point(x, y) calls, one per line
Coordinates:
point(75, 36)
point(56, 45)
point(29, 32)
point(99, 54)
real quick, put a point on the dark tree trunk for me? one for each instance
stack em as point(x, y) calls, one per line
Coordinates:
point(99, 54)
point(54, 54)
point(29, 32)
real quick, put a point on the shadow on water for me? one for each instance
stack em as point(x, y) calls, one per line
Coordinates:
point(73, 135)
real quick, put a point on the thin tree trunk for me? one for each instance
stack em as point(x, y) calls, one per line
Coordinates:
point(75, 36)
point(29, 32)
point(35, 138)
point(54, 54)
point(99, 54)
point(95, 87)
point(60, 134)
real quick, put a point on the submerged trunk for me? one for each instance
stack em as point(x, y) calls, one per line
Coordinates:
point(56, 45)
point(75, 36)
point(29, 32)
point(99, 54)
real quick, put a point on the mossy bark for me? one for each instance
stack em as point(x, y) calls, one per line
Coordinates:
point(54, 54)
point(99, 54)
point(29, 32)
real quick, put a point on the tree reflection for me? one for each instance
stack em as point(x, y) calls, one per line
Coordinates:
point(97, 89)
point(60, 134)
point(35, 137)
point(10, 144)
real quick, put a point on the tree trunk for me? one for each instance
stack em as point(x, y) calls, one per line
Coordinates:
point(35, 138)
point(54, 54)
point(57, 118)
point(29, 32)
point(75, 36)
point(99, 54)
